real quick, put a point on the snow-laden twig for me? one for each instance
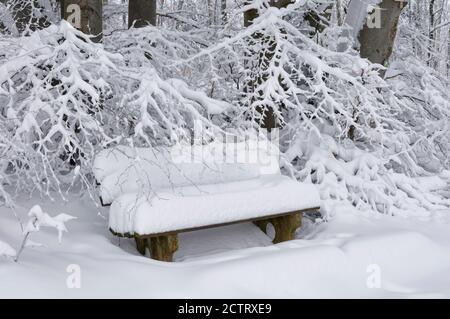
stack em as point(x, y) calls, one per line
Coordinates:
point(39, 219)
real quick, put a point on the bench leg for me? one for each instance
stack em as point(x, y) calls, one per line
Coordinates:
point(141, 244)
point(163, 247)
point(285, 226)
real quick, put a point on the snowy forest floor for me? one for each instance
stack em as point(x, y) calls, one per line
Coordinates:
point(333, 259)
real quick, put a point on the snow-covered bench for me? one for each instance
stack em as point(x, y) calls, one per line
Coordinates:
point(154, 196)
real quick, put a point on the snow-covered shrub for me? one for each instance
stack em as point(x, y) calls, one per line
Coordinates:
point(162, 50)
point(164, 104)
point(115, 17)
point(346, 172)
point(63, 98)
point(305, 84)
point(425, 95)
point(424, 32)
point(308, 85)
point(53, 92)
point(423, 85)
point(365, 147)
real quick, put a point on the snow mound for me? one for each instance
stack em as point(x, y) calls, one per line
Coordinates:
point(403, 260)
point(6, 250)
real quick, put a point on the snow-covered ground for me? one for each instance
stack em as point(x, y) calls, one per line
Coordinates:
point(345, 257)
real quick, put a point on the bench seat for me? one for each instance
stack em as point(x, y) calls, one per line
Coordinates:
point(192, 207)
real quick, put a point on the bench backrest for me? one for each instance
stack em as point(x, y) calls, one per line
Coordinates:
point(124, 169)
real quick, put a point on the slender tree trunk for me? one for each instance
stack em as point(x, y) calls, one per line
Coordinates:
point(85, 15)
point(159, 19)
point(223, 11)
point(180, 6)
point(431, 33)
point(377, 42)
point(141, 13)
point(211, 13)
point(443, 43)
point(124, 15)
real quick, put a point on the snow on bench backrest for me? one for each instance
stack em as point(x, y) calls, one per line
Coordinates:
point(122, 169)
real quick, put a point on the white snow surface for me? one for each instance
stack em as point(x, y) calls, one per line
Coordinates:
point(332, 259)
point(6, 250)
point(196, 206)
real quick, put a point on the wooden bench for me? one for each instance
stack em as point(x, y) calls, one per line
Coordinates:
point(154, 198)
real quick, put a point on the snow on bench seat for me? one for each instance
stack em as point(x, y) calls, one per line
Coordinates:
point(190, 207)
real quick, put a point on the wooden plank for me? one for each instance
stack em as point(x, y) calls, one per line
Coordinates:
point(184, 230)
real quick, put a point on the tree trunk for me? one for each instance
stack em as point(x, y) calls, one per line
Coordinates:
point(141, 13)
point(377, 41)
point(269, 121)
point(84, 15)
